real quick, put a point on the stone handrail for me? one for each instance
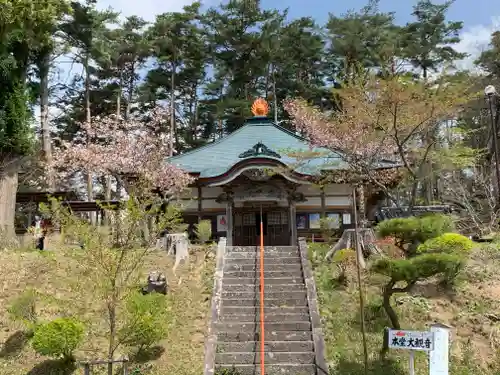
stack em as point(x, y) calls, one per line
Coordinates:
point(312, 302)
point(211, 342)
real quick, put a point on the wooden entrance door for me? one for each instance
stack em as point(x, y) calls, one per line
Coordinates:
point(278, 230)
point(247, 227)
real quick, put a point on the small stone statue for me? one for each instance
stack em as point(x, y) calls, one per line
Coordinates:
point(157, 282)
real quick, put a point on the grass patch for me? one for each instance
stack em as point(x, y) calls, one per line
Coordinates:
point(60, 285)
point(471, 311)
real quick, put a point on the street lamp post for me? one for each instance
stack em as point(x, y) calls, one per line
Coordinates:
point(491, 93)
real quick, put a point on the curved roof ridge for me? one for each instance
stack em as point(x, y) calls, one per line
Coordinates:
point(218, 156)
point(208, 145)
point(249, 122)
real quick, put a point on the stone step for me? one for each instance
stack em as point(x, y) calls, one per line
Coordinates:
point(267, 254)
point(244, 310)
point(297, 268)
point(267, 287)
point(268, 302)
point(236, 249)
point(286, 294)
point(269, 357)
point(268, 336)
point(268, 317)
point(256, 280)
point(254, 327)
point(268, 260)
point(269, 346)
point(291, 273)
point(281, 369)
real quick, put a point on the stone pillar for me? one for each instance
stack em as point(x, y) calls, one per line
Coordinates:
point(293, 223)
point(229, 220)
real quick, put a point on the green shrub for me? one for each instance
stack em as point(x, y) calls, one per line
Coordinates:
point(434, 225)
point(58, 338)
point(450, 243)
point(204, 231)
point(316, 252)
point(329, 230)
point(410, 232)
point(146, 321)
point(343, 259)
point(23, 309)
point(410, 271)
point(228, 371)
point(417, 268)
point(402, 229)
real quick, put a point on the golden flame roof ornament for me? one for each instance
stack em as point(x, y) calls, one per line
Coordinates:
point(260, 107)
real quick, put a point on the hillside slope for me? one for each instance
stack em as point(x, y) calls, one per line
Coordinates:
point(63, 290)
point(472, 310)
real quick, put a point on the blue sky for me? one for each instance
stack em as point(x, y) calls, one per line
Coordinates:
point(480, 17)
point(472, 12)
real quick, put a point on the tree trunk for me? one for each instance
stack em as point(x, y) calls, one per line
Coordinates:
point(393, 317)
point(413, 196)
point(275, 99)
point(90, 185)
point(44, 66)
point(428, 180)
point(194, 125)
point(108, 181)
point(172, 110)
point(9, 179)
point(112, 333)
point(360, 192)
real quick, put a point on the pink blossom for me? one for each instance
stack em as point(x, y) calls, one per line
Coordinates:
point(358, 143)
point(111, 146)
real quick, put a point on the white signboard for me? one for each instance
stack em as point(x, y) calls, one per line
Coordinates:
point(411, 340)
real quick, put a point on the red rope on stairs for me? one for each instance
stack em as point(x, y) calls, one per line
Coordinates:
point(261, 296)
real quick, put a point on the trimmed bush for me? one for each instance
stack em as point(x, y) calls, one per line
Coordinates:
point(449, 243)
point(204, 231)
point(58, 338)
point(417, 268)
point(147, 321)
point(402, 229)
point(410, 232)
point(409, 271)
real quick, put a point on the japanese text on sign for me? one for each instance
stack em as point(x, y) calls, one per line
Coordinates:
point(411, 340)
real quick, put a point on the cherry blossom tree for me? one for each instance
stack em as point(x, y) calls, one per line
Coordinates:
point(132, 151)
point(394, 119)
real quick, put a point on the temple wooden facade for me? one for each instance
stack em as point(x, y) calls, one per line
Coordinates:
point(252, 174)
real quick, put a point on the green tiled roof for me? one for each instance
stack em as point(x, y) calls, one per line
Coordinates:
point(218, 157)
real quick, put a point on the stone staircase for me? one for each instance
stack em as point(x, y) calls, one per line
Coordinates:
point(293, 339)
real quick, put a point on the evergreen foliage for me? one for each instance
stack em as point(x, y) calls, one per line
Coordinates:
point(429, 251)
point(58, 338)
point(409, 232)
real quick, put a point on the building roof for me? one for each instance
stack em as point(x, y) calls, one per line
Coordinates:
point(258, 138)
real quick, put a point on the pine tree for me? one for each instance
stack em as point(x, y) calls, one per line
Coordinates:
point(428, 42)
point(360, 40)
point(25, 29)
point(178, 49)
point(88, 35)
